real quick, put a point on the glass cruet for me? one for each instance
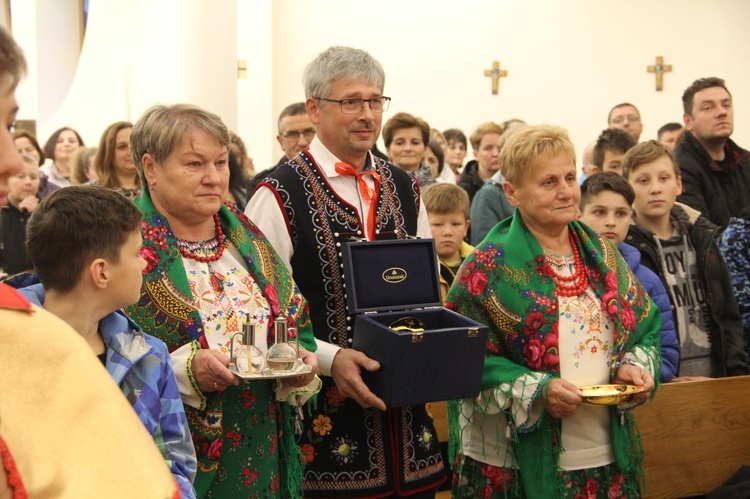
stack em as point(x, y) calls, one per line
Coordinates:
point(282, 356)
point(249, 360)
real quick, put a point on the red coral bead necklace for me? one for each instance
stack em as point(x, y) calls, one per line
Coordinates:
point(568, 285)
point(205, 251)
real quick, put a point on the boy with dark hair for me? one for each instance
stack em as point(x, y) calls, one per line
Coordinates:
point(65, 430)
point(606, 200)
point(610, 148)
point(85, 243)
point(679, 245)
point(447, 208)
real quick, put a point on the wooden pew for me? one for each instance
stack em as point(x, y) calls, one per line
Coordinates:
point(695, 435)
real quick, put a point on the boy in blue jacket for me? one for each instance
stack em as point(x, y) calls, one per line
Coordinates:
point(606, 200)
point(85, 243)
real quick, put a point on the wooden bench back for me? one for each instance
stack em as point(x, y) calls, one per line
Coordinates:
point(695, 435)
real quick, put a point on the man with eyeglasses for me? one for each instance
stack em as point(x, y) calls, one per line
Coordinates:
point(332, 193)
point(296, 131)
point(626, 117)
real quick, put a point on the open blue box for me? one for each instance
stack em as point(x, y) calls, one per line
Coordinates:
point(387, 281)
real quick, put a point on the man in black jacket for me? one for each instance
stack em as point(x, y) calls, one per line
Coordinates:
point(715, 171)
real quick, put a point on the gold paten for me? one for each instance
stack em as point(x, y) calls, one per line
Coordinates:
point(411, 324)
point(609, 394)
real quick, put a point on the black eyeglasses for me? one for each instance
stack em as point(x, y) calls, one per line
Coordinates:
point(309, 134)
point(355, 106)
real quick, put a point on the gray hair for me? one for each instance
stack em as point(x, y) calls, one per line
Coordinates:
point(341, 63)
point(161, 128)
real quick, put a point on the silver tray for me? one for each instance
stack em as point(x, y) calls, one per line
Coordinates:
point(300, 370)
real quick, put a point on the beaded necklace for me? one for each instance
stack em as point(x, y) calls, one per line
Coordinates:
point(206, 251)
point(568, 285)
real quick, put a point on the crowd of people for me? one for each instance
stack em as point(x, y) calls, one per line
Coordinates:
point(139, 260)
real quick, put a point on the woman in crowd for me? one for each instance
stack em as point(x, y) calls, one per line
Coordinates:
point(113, 163)
point(26, 143)
point(82, 163)
point(435, 159)
point(59, 148)
point(238, 184)
point(406, 137)
point(208, 269)
point(564, 312)
point(240, 151)
point(23, 198)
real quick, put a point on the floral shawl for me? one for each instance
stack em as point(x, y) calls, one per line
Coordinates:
point(165, 310)
point(501, 285)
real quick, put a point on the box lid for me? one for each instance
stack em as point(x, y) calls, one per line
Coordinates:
point(391, 275)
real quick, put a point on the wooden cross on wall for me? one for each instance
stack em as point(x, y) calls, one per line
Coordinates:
point(659, 69)
point(496, 73)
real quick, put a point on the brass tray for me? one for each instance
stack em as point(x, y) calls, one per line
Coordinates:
point(609, 394)
point(299, 370)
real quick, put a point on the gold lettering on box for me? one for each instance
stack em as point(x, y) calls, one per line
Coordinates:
point(394, 275)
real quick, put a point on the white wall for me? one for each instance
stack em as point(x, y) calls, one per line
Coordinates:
point(568, 61)
point(49, 31)
point(255, 120)
point(137, 53)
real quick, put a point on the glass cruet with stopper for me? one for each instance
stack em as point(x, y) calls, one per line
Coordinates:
point(282, 356)
point(249, 360)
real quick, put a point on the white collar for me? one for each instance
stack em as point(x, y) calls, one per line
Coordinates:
point(326, 160)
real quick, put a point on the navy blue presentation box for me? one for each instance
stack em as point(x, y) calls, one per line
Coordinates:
point(387, 281)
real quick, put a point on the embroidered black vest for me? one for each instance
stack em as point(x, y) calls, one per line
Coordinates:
point(351, 451)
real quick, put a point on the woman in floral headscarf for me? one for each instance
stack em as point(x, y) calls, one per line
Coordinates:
point(209, 267)
point(564, 312)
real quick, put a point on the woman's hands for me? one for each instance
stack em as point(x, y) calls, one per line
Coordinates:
point(562, 398)
point(210, 371)
point(628, 374)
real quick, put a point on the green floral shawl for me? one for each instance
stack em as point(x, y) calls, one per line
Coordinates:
point(500, 285)
point(165, 310)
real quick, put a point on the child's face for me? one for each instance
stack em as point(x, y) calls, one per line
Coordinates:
point(608, 213)
point(126, 276)
point(656, 188)
point(448, 230)
point(613, 161)
point(24, 184)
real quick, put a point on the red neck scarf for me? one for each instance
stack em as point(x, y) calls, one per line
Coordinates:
point(367, 193)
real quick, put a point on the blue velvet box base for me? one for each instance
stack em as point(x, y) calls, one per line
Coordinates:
point(442, 362)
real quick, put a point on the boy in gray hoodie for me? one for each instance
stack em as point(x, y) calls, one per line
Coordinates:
point(679, 245)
